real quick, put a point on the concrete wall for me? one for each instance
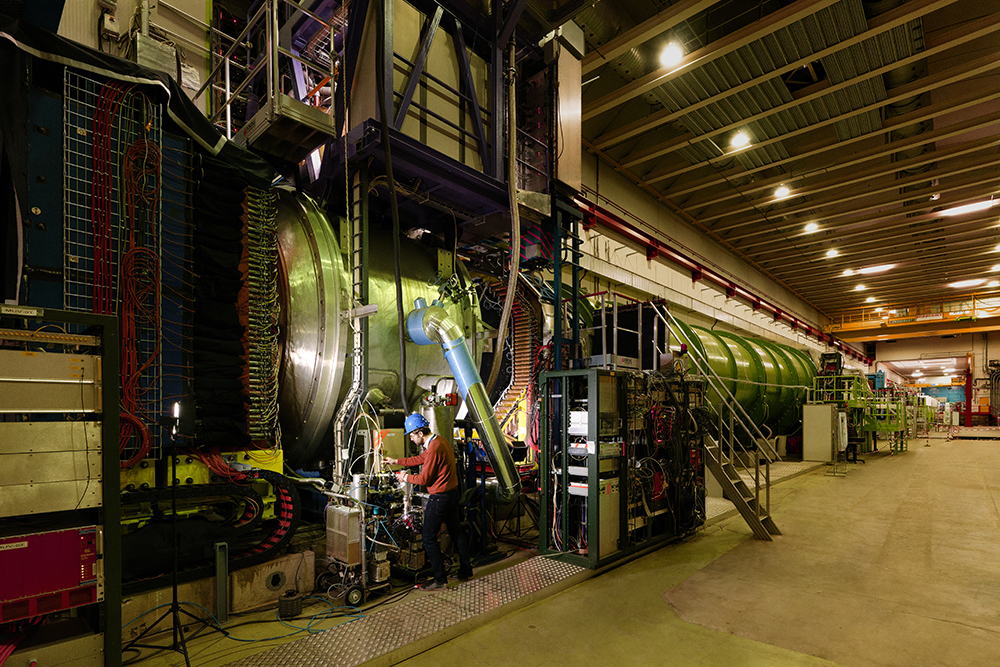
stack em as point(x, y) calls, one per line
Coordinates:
point(619, 266)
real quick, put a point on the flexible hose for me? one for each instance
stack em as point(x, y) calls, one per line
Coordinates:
point(384, 113)
point(515, 225)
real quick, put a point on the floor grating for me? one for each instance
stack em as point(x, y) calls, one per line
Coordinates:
point(369, 637)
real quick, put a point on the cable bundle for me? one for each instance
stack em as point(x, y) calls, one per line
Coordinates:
point(140, 307)
point(11, 634)
point(109, 105)
point(262, 326)
point(213, 460)
point(138, 280)
point(140, 299)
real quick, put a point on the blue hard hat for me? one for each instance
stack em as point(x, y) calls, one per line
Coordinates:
point(415, 421)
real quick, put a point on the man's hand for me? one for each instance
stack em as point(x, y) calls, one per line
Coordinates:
point(401, 476)
point(391, 461)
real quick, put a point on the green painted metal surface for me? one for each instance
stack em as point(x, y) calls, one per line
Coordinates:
point(769, 380)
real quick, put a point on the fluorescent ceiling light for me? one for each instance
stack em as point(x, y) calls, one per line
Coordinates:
point(812, 227)
point(858, 288)
point(848, 272)
point(970, 208)
point(993, 283)
point(782, 191)
point(917, 373)
point(967, 283)
point(671, 55)
point(831, 253)
point(879, 309)
point(870, 299)
point(876, 269)
point(996, 267)
point(740, 140)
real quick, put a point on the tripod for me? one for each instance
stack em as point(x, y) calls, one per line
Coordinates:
point(179, 643)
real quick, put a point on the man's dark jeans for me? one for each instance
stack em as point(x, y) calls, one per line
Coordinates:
point(442, 508)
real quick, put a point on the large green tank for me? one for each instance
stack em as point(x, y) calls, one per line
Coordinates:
point(766, 378)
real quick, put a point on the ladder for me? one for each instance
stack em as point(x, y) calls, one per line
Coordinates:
point(729, 469)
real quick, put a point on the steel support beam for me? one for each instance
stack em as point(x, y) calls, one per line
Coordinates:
point(465, 76)
point(418, 67)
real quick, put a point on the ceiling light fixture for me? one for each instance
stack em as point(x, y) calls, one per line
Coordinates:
point(812, 227)
point(740, 140)
point(782, 191)
point(970, 208)
point(858, 288)
point(671, 55)
point(967, 283)
point(831, 253)
point(876, 269)
point(870, 299)
point(993, 283)
point(848, 272)
point(879, 309)
point(996, 267)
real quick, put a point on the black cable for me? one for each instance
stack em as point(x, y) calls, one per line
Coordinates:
point(384, 113)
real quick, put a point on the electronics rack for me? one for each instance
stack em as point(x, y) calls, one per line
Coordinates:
point(46, 386)
point(621, 463)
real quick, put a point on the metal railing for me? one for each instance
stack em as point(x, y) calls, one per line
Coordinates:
point(732, 420)
point(955, 308)
point(265, 62)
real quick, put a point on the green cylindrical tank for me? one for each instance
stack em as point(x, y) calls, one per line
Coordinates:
point(766, 378)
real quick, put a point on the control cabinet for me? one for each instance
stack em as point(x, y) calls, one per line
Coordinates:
point(621, 467)
point(59, 499)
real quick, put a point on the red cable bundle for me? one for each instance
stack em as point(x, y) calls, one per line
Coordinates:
point(218, 465)
point(139, 281)
point(102, 184)
point(13, 633)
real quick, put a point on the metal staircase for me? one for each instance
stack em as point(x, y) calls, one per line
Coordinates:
point(736, 490)
point(740, 481)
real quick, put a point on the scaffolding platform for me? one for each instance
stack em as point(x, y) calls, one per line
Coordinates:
point(406, 629)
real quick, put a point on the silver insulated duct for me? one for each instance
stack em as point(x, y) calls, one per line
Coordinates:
point(426, 325)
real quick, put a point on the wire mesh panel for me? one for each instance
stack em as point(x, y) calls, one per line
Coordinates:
point(111, 234)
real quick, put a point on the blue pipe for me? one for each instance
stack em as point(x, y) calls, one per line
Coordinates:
point(426, 325)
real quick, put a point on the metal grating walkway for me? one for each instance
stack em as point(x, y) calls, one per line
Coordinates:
point(367, 638)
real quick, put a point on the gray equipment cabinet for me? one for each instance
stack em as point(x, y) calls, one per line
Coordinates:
point(59, 490)
point(582, 472)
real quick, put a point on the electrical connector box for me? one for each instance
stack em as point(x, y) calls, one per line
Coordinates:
point(109, 26)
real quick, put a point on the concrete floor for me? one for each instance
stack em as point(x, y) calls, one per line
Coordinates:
point(894, 564)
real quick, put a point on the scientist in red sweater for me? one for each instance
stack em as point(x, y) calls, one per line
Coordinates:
point(440, 475)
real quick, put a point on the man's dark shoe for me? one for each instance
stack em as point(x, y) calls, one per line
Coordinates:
point(461, 576)
point(431, 586)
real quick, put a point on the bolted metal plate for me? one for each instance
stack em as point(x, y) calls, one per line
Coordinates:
point(359, 641)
